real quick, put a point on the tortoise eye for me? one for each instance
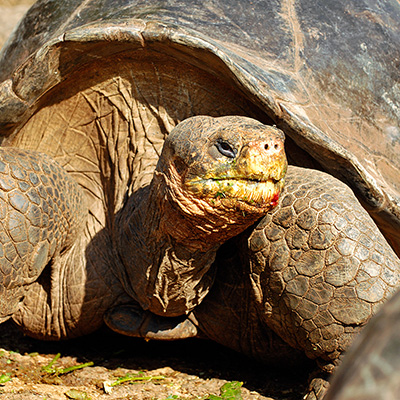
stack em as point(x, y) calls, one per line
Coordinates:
point(226, 149)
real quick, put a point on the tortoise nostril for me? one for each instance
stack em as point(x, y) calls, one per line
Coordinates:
point(271, 146)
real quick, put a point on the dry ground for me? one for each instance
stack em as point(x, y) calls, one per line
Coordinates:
point(11, 11)
point(189, 369)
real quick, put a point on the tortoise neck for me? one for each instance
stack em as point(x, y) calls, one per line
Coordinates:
point(167, 263)
point(168, 242)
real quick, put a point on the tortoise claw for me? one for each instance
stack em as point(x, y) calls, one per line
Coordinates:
point(317, 389)
point(131, 320)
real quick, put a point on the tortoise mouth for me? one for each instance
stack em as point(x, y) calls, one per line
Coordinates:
point(261, 193)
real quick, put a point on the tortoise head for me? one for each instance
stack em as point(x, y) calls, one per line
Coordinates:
point(225, 164)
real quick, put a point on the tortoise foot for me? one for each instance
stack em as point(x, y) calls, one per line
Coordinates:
point(131, 320)
point(317, 389)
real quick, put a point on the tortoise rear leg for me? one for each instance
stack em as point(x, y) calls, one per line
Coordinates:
point(41, 211)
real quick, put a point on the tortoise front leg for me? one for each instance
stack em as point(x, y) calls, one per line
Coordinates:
point(41, 211)
point(313, 271)
point(131, 320)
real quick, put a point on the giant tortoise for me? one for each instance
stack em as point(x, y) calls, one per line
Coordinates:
point(97, 226)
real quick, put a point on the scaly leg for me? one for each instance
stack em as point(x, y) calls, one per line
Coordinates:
point(41, 211)
point(313, 271)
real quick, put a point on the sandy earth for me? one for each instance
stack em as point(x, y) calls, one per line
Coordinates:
point(11, 11)
point(189, 369)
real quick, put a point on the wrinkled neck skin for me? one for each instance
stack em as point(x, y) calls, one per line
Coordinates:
point(168, 242)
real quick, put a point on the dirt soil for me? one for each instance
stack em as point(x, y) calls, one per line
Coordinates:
point(189, 369)
point(11, 11)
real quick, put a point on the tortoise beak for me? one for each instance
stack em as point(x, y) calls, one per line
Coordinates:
point(263, 160)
